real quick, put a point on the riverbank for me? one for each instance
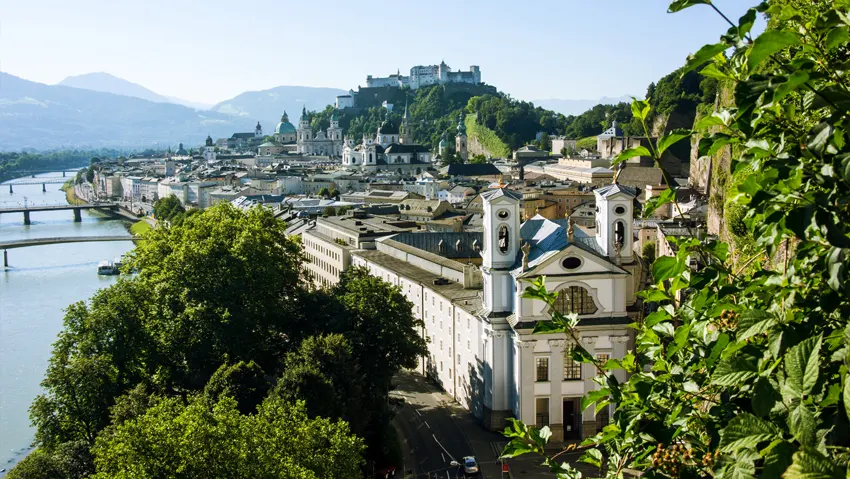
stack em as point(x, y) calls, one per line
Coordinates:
point(71, 194)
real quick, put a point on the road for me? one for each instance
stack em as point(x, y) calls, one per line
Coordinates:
point(435, 430)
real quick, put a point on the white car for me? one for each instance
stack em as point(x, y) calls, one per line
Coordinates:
point(470, 465)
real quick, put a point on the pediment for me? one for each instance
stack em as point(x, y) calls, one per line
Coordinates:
point(589, 264)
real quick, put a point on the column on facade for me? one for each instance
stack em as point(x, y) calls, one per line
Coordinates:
point(556, 374)
point(619, 344)
point(527, 377)
point(588, 371)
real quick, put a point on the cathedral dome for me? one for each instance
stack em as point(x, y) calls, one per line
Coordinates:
point(388, 128)
point(284, 126)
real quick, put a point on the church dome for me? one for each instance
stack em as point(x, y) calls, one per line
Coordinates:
point(284, 126)
point(388, 128)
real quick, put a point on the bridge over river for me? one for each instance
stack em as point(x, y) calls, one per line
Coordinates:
point(23, 243)
point(26, 210)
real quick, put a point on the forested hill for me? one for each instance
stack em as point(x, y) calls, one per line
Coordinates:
point(435, 110)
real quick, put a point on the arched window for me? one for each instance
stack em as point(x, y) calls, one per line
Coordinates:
point(503, 239)
point(575, 299)
point(620, 233)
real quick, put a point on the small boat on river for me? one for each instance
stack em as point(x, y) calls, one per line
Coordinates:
point(107, 268)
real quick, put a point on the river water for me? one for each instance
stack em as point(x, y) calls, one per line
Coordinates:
point(40, 282)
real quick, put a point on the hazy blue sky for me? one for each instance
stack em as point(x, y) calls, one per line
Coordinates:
point(212, 50)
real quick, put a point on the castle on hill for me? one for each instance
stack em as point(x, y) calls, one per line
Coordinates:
point(425, 75)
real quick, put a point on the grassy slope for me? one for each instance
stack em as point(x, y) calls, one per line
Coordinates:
point(487, 138)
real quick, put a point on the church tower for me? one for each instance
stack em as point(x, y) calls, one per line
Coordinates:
point(460, 139)
point(304, 132)
point(258, 131)
point(405, 127)
point(444, 146)
point(614, 222)
point(501, 245)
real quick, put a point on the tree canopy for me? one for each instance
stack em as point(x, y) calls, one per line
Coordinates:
point(218, 313)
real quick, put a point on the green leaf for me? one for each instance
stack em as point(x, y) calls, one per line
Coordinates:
point(593, 396)
point(678, 5)
point(704, 54)
point(656, 317)
point(666, 196)
point(715, 119)
point(735, 371)
point(764, 397)
point(712, 71)
point(640, 108)
point(754, 322)
point(802, 365)
point(795, 80)
point(671, 139)
point(592, 457)
point(810, 464)
point(803, 424)
point(516, 447)
point(820, 137)
point(630, 153)
point(717, 349)
point(664, 328)
point(847, 396)
point(747, 431)
point(835, 266)
point(666, 267)
point(836, 37)
point(778, 458)
point(768, 43)
point(654, 295)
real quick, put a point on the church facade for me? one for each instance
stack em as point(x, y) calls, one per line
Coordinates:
point(390, 150)
point(320, 143)
point(467, 288)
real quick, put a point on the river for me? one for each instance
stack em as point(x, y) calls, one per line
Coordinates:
point(40, 282)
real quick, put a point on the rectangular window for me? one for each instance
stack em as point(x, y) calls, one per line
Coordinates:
point(572, 369)
point(458, 358)
point(450, 373)
point(441, 345)
point(542, 413)
point(468, 345)
point(603, 357)
point(467, 323)
point(542, 365)
point(441, 366)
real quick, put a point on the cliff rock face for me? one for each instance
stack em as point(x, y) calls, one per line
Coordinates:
point(476, 148)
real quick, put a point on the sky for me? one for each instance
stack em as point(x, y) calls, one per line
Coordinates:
point(213, 50)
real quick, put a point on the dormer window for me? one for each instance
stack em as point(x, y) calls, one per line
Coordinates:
point(441, 246)
point(458, 246)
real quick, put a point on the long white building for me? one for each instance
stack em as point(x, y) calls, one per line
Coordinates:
point(467, 288)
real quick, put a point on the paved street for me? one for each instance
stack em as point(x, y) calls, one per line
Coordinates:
point(435, 430)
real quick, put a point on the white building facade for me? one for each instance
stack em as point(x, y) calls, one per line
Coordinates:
point(479, 328)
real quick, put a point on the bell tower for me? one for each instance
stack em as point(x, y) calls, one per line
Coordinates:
point(615, 222)
point(501, 245)
point(461, 139)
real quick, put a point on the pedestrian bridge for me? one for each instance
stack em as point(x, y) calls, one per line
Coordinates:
point(26, 210)
point(23, 243)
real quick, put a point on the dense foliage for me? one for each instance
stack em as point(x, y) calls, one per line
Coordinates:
point(205, 439)
point(168, 209)
point(218, 311)
point(739, 374)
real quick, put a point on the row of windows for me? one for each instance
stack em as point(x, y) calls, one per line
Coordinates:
point(309, 244)
point(323, 265)
point(572, 368)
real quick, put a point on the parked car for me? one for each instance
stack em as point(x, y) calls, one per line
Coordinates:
point(470, 465)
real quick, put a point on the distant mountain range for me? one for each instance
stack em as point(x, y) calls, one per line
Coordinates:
point(106, 83)
point(271, 103)
point(577, 107)
point(100, 110)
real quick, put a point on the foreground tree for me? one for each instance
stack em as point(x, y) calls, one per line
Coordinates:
point(168, 209)
point(222, 285)
point(204, 439)
point(747, 375)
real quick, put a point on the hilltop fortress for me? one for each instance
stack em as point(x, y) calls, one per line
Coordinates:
point(427, 75)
